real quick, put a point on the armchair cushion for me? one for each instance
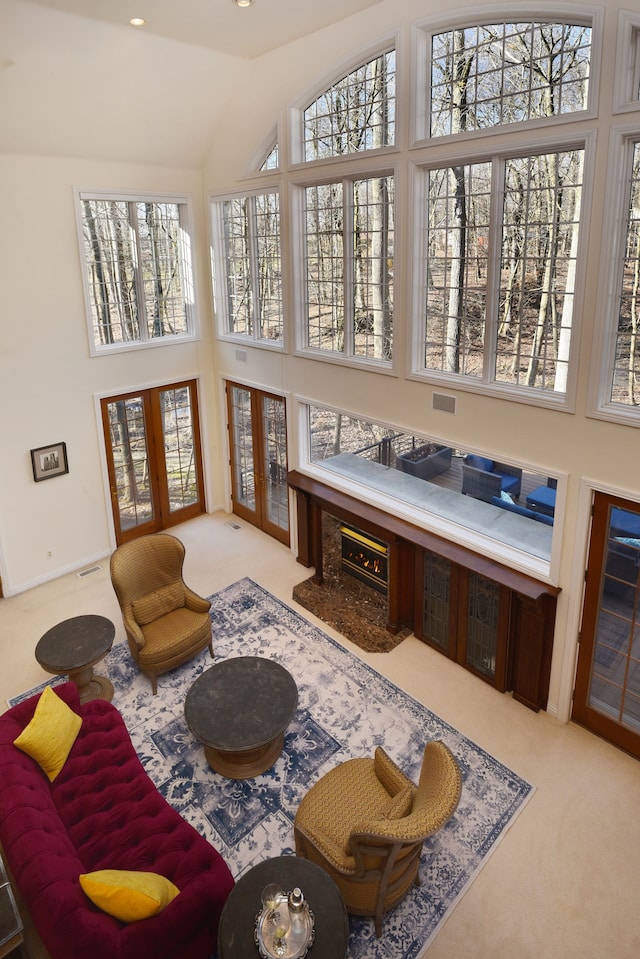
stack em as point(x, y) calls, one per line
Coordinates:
point(400, 805)
point(479, 462)
point(158, 603)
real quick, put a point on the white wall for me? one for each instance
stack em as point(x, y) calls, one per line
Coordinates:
point(49, 382)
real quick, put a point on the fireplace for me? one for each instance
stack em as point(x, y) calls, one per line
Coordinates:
point(364, 558)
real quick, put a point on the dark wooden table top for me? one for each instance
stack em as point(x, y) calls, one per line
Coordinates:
point(238, 920)
point(241, 703)
point(75, 643)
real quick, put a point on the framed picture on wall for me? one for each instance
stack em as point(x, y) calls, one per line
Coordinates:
point(49, 461)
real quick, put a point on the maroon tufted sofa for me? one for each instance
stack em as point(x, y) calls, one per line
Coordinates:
point(102, 812)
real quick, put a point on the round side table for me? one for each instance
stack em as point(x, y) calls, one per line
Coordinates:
point(238, 919)
point(73, 647)
point(239, 710)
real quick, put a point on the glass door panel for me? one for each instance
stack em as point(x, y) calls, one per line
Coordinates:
point(258, 441)
point(482, 625)
point(152, 443)
point(607, 694)
point(132, 495)
point(274, 429)
point(437, 574)
point(179, 452)
point(241, 421)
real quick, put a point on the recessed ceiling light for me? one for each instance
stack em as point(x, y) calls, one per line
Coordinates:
point(243, 3)
point(137, 22)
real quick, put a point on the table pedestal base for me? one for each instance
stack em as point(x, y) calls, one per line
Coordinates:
point(245, 764)
point(91, 686)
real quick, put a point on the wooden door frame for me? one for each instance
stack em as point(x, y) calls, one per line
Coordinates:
point(164, 518)
point(258, 516)
point(581, 713)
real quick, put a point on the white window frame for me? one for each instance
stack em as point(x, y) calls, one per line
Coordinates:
point(485, 384)
point(621, 145)
point(424, 519)
point(356, 171)
point(424, 30)
point(342, 70)
point(626, 87)
point(186, 223)
point(218, 268)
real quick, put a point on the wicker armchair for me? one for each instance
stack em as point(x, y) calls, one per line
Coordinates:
point(166, 623)
point(483, 478)
point(365, 823)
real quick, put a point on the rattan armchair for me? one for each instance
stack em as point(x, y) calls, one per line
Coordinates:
point(483, 478)
point(365, 823)
point(166, 622)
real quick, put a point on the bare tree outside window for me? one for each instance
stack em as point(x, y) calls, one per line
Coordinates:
point(350, 309)
point(493, 74)
point(355, 114)
point(251, 265)
point(138, 267)
point(625, 383)
point(499, 292)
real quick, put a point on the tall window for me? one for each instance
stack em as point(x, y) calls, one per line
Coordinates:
point(502, 233)
point(624, 389)
point(349, 267)
point(517, 329)
point(355, 114)
point(248, 266)
point(139, 278)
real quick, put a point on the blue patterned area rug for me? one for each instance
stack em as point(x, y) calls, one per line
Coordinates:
point(345, 709)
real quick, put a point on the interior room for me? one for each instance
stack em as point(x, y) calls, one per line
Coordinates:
point(202, 113)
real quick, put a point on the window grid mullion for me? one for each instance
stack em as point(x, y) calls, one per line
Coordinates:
point(255, 313)
point(492, 304)
point(136, 246)
point(348, 261)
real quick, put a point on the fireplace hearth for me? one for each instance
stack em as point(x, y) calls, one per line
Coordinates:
point(348, 604)
point(364, 558)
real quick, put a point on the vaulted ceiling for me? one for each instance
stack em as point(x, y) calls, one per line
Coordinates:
point(220, 24)
point(77, 80)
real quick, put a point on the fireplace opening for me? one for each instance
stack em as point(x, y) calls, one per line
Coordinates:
point(364, 558)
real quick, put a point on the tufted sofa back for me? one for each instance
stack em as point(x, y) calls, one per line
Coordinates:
point(101, 812)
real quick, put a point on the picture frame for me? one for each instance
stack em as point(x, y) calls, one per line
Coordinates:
point(49, 461)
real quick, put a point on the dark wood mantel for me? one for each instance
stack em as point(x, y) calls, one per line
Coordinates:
point(528, 604)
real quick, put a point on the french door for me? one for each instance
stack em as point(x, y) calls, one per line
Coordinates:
point(607, 692)
point(258, 444)
point(152, 441)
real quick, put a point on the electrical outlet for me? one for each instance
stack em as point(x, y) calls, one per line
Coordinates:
point(49, 552)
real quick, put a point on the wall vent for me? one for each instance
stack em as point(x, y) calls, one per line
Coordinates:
point(444, 403)
point(87, 572)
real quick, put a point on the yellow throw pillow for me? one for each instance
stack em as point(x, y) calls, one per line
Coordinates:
point(49, 736)
point(126, 895)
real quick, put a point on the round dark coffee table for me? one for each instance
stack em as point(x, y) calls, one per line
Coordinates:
point(238, 919)
point(73, 647)
point(239, 710)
